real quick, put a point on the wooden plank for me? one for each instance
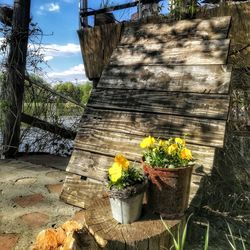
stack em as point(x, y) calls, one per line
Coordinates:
point(38, 123)
point(204, 156)
point(174, 103)
point(200, 79)
point(190, 52)
point(94, 165)
point(97, 45)
point(214, 28)
point(80, 192)
point(104, 123)
point(89, 164)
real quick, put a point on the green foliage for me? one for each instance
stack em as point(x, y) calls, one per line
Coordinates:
point(122, 174)
point(79, 93)
point(180, 239)
point(180, 9)
point(232, 242)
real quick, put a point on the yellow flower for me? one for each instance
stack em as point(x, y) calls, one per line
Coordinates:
point(186, 154)
point(120, 159)
point(172, 149)
point(180, 141)
point(162, 143)
point(115, 172)
point(147, 142)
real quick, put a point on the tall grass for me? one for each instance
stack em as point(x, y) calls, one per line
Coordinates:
point(180, 239)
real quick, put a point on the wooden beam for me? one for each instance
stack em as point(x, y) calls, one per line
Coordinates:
point(16, 65)
point(6, 14)
point(38, 123)
point(117, 7)
point(43, 86)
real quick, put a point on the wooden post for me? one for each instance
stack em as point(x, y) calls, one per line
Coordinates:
point(16, 65)
point(84, 7)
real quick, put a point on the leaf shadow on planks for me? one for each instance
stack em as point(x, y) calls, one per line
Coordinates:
point(151, 50)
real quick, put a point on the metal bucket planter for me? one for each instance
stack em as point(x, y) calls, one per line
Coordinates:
point(168, 191)
point(126, 205)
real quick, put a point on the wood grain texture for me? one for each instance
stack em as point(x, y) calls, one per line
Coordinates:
point(214, 28)
point(78, 191)
point(175, 103)
point(102, 123)
point(198, 78)
point(182, 52)
point(145, 234)
point(88, 164)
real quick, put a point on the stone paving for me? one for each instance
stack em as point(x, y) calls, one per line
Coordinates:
point(29, 199)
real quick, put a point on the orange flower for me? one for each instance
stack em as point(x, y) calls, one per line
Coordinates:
point(121, 160)
point(186, 154)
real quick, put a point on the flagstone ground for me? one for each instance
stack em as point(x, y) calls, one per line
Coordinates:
point(29, 199)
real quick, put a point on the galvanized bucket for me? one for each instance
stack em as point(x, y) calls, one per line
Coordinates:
point(128, 210)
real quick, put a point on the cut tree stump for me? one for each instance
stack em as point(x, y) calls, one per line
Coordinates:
point(148, 233)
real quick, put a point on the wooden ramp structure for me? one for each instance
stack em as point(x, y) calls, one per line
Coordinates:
point(163, 79)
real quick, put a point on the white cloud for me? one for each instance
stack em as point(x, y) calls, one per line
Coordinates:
point(51, 51)
point(50, 7)
point(48, 58)
point(61, 50)
point(72, 74)
point(53, 7)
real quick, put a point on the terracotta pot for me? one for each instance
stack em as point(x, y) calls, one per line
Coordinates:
point(169, 196)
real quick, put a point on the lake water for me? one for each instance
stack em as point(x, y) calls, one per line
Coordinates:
point(37, 140)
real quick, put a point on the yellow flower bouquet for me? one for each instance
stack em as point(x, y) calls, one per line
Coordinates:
point(127, 184)
point(168, 165)
point(171, 153)
point(122, 174)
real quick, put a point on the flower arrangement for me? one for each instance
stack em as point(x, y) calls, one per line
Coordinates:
point(122, 174)
point(171, 153)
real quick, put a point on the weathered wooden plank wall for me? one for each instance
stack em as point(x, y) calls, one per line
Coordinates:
point(164, 88)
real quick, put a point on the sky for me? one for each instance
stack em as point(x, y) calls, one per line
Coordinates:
point(59, 21)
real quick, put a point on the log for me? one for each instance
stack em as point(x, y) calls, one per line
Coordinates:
point(182, 52)
point(38, 123)
point(148, 233)
point(191, 78)
point(214, 28)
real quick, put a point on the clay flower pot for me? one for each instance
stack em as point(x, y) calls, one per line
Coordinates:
point(168, 191)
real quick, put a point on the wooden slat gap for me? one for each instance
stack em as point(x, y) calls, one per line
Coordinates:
point(177, 41)
point(163, 91)
point(167, 64)
point(159, 113)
